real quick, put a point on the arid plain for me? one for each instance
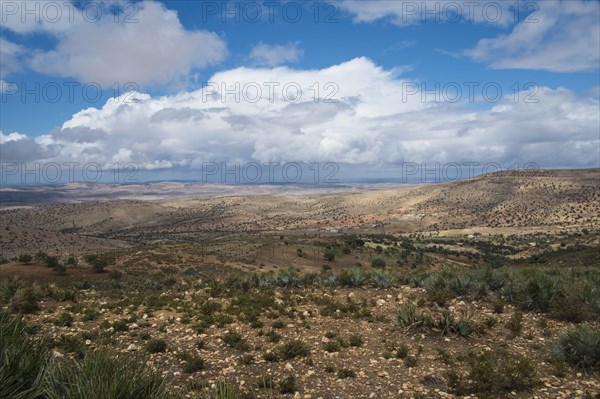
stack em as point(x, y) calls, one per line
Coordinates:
point(486, 287)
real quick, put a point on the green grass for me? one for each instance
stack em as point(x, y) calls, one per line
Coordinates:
point(579, 346)
point(22, 360)
point(103, 375)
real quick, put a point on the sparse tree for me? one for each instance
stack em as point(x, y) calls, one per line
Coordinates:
point(99, 264)
point(25, 258)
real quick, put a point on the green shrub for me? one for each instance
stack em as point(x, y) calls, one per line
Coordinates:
point(25, 300)
point(579, 346)
point(345, 373)
point(494, 373)
point(25, 259)
point(192, 362)
point(103, 375)
point(288, 384)
point(235, 340)
point(120, 325)
point(329, 256)
point(515, 324)
point(65, 319)
point(356, 340)
point(293, 349)
point(378, 263)
point(98, 265)
point(156, 345)
point(332, 346)
point(22, 360)
point(272, 336)
point(402, 351)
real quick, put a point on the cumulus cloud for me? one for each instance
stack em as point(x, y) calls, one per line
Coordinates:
point(9, 57)
point(355, 112)
point(17, 147)
point(146, 44)
point(272, 55)
point(562, 36)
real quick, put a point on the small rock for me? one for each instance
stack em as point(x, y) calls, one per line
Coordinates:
point(132, 348)
point(289, 367)
point(88, 342)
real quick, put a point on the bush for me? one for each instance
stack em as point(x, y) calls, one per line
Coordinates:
point(192, 363)
point(356, 340)
point(25, 259)
point(24, 300)
point(495, 373)
point(579, 346)
point(65, 319)
point(235, 340)
point(115, 275)
point(329, 256)
point(293, 349)
point(103, 375)
point(98, 265)
point(51, 261)
point(378, 263)
point(288, 384)
point(156, 345)
point(332, 346)
point(345, 373)
point(22, 360)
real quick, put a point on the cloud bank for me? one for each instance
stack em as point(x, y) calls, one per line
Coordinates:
point(355, 112)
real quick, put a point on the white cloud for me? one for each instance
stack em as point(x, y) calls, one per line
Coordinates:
point(156, 49)
point(565, 38)
point(406, 13)
point(6, 138)
point(9, 57)
point(373, 122)
point(272, 55)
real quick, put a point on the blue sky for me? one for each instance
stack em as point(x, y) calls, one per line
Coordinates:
point(383, 83)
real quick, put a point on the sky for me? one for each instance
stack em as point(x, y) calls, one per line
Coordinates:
point(287, 91)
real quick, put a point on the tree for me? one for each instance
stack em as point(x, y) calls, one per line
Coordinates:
point(51, 261)
point(90, 258)
point(25, 258)
point(71, 261)
point(41, 256)
point(98, 265)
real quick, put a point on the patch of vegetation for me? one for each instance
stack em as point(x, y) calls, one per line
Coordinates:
point(579, 347)
point(192, 362)
point(494, 373)
point(235, 340)
point(156, 345)
point(101, 375)
point(293, 349)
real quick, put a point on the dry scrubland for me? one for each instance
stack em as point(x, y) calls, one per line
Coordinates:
point(481, 288)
